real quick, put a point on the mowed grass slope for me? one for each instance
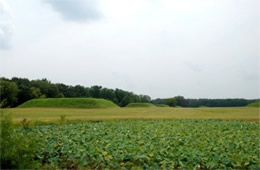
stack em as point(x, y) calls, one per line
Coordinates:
point(68, 103)
point(161, 105)
point(134, 105)
point(255, 104)
point(151, 113)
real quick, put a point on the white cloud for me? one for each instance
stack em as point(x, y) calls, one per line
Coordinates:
point(76, 10)
point(194, 67)
point(6, 25)
point(163, 48)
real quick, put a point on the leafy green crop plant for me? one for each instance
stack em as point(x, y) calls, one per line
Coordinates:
point(160, 144)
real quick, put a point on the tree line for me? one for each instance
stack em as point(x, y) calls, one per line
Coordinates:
point(16, 91)
point(181, 101)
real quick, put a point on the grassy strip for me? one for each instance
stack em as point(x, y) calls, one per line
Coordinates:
point(134, 105)
point(150, 113)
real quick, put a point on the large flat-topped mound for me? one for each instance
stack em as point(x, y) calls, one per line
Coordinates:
point(68, 103)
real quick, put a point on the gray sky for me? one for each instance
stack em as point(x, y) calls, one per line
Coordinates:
point(162, 48)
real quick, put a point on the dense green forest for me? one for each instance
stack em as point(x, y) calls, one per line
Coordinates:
point(16, 91)
point(181, 101)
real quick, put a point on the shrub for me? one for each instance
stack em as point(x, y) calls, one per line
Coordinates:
point(25, 123)
point(62, 118)
point(17, 149)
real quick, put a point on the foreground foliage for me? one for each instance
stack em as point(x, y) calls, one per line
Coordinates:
point(157, 144)
point(17, 148)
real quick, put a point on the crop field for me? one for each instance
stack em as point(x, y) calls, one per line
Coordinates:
point(135, 137)
point(156, 144)
point(154, 113)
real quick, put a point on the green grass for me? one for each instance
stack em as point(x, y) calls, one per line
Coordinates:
point(255, 104)
point(134, 105)
point(117, 113)
point(161, 105)
point(68, 103)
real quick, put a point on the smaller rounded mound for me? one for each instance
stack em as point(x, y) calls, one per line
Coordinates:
point(133, 105)
point(68, 103)
point(162, 105)
point(255, 104)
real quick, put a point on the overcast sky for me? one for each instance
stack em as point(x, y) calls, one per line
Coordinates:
point(162, 48)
